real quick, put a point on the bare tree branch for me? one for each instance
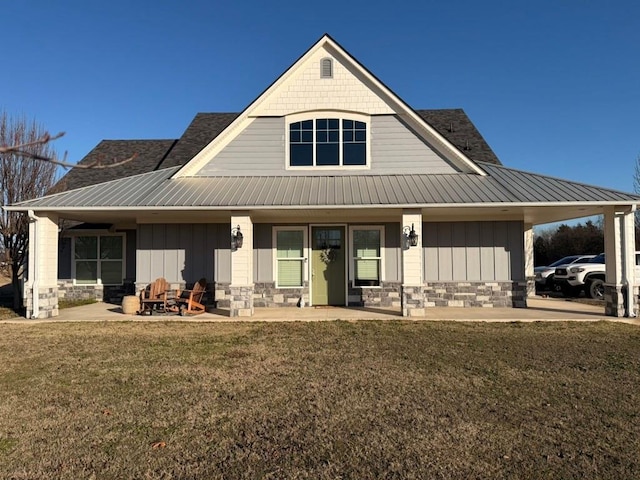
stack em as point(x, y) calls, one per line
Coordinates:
point(22, 177)
point(43, 140)
point(26, 150)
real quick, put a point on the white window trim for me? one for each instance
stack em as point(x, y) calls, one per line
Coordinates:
point(352, 258)
point(88, 233)
point(305, 258)
point(298, 117)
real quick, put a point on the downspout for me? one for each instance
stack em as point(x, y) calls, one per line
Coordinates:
point(630, 285)
point(33, 249)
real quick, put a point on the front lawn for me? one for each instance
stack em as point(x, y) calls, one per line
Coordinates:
point(362, 400)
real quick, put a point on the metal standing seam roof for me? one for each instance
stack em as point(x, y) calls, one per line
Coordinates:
point(453, 124)
point(157, 190)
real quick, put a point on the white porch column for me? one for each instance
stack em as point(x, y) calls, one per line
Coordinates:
point(41, 289)
point(413, 300)
point(242, 267)
point(529, 274)
point(619, 247)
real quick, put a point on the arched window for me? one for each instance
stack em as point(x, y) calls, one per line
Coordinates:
point(325, 142)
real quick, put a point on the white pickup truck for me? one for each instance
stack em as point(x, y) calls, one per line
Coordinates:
point(588, 276)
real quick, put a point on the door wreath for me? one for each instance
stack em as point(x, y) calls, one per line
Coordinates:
point(327, 255)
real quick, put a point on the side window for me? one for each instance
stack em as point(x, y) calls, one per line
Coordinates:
point(98, 259)
point(366, 256)
point(290, 256)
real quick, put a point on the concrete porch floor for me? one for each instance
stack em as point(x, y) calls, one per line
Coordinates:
point(540, 309)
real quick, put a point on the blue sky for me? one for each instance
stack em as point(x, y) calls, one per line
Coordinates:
point(554, 86)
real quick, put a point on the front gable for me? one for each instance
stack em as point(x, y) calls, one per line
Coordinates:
point(349, 92)
point(303, 89)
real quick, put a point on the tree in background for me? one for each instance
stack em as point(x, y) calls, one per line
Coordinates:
point(23, 175)
point(581, 239)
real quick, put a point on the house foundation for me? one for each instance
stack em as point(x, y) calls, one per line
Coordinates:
point(477, 294)
point(615, 301)
point(241, 301)
point(413, 301)
point(386, 295)
point(47, 302)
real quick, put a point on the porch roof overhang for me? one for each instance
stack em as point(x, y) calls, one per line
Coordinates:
point(502, 194)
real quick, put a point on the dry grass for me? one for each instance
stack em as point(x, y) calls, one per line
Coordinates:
point(319, 400)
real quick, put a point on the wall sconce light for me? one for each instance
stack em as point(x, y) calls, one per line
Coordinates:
point(236, 237)
point(410, 235)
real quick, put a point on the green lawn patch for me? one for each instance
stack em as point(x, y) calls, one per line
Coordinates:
point(323, 400)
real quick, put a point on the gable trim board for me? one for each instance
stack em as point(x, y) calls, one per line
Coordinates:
point(428, 169)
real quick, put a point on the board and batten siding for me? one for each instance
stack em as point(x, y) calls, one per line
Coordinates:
point(184, 252)
point(263, 252)
point(260, 150)
point(392, 253)
point(473, 251)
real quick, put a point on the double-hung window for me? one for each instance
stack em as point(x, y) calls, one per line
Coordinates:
point(290, 256)
point(328, 142)
point(98, 259)
point(367, 246)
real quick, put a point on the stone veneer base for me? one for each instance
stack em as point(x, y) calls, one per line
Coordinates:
point(241, 301)
point(476, 294)
point(47, 302)
point(615, 300)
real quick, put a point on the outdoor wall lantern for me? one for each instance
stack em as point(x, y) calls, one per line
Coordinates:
point(410, 235)
point(236, 237)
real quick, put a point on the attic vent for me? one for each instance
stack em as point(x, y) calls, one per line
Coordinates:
point(326, 68)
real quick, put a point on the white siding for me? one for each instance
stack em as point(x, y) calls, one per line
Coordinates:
point(304, 90)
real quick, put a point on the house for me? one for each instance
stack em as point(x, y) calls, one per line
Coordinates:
point(328, 189)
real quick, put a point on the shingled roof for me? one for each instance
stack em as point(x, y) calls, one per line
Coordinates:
point(149, 155)
point(453, 124)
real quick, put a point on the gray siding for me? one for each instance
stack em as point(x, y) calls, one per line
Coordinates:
point(393, 253)
point(473, 251)
point(130, 247)
point(64, 258)
point(259, 149)
point(397, 150)
point(183, 252)
point(262, 252)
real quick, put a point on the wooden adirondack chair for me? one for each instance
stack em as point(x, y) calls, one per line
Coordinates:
point(190, 301)
point(156, 296)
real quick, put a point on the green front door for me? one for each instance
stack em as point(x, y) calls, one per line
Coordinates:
point(328, 266)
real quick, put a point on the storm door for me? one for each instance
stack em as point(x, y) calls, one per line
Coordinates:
point(328, 257)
